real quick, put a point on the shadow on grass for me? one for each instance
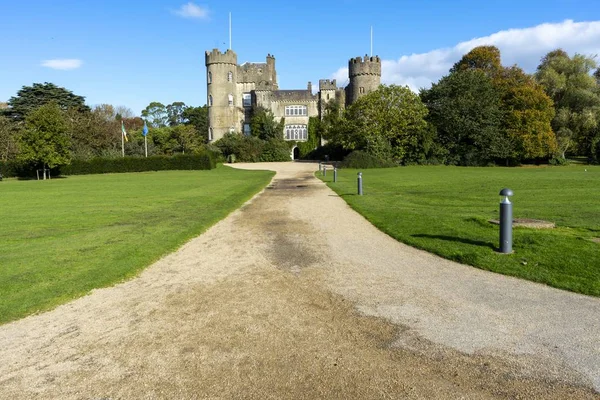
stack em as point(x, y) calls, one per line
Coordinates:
point(479, 243)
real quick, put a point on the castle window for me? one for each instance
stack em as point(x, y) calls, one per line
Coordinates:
point(229, 76)
point(230, 100)
point(247, 129)
point(296, 110)
point(296, 132)
point(210, 133)
point(327, 96)
point(247, 99)
point(231, 129)
point(210, 103)
point(209, 78)
point(361, 89)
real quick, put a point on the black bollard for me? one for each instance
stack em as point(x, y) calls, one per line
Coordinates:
point(360, 189)
point(334, 175)
point(506, 219)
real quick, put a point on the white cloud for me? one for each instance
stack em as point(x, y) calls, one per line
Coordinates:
point(191, 10)
point(63, 64)
point(524, 47)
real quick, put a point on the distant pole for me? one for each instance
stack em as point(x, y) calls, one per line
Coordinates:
point(122, 144)
point(146, 145)
point(230, 31)
point(371, 40)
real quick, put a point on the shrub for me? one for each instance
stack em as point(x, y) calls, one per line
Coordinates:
point(275, 150)
point(558, 161)
point(362, 159)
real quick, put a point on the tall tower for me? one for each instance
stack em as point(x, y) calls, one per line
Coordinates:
point(327, 93)
point(221, 78)
point(365, 77)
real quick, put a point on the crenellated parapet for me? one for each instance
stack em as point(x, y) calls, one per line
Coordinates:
point(217, 57)
point(364, 66)
point(326, 84)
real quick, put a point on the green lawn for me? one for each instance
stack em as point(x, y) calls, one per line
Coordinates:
point(445, 210)
point(61, 238)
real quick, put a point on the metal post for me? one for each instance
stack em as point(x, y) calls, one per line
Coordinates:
point(324, 170)
point(360, 190)
point(506, 219)
point(319, 166)
point(334, 174)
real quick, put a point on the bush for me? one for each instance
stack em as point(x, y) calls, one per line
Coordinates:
point(275, 150)
point(202, 161)
point(334, 153)
point(558, 161)
point(362, 159)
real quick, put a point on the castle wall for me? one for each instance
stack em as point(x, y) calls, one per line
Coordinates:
point(225, 79)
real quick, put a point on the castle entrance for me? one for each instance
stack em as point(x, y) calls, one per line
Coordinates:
point(296, 153)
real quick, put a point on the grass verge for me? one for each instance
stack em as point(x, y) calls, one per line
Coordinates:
point(445, 210)
point(61, 238)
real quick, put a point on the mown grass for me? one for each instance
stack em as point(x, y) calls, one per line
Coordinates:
point(445, 210)
point(61, 238)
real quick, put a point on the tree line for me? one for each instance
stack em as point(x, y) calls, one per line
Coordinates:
point(481, 113)
point(47, 125)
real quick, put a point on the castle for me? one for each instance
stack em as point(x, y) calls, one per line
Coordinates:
point(233, 91)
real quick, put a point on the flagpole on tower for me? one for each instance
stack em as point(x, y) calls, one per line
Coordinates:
point(229, 30)
point(371, 40)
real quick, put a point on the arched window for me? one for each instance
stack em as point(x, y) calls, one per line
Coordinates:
point(229, 76)
point(210, 100)
point(209, 77)
point(327, 96)
point(230, 100)
point(231, 129)
point(210, 133)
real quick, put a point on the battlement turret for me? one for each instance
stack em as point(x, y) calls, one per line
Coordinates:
point(365, 77)
point(326, 84)
point(364, 66)
point(217, 57)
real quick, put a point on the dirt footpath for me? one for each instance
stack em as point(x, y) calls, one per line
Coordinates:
point(296, 296)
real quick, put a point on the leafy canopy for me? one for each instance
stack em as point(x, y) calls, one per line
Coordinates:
point(30, 98)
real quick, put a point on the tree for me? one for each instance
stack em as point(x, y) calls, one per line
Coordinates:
point(528, 113)
point(569, 83)
point(156, 114)
point(263, 125)
point(44, 140)
point(175, 113)
point(30, 98)
point(483, 58)
point(8, 139)
point(198, 118)
point(388, 123)
point(466, 109)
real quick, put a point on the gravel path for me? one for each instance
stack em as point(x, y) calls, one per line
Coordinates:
point(297, 296)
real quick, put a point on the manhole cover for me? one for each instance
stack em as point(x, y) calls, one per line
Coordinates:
point(529, 223)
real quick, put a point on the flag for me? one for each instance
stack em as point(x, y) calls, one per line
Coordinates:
point(145, 130)
point(124, 132)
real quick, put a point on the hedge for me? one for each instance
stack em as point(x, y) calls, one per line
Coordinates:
point(205, 160)
point(138, 164)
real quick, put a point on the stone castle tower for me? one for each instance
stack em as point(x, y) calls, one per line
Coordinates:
point(365, 77)
point(228, 90)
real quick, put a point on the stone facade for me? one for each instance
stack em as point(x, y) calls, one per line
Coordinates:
point(234, 90)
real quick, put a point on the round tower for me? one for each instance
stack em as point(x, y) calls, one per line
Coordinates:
point(365, 77)
point(221, 78)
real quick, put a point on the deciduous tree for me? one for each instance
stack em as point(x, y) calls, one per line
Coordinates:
point(175, 113)
point(156, 114)
point(570, 84)
point(44, 140)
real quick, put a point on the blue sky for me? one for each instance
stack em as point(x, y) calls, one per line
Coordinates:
point(133, 52)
